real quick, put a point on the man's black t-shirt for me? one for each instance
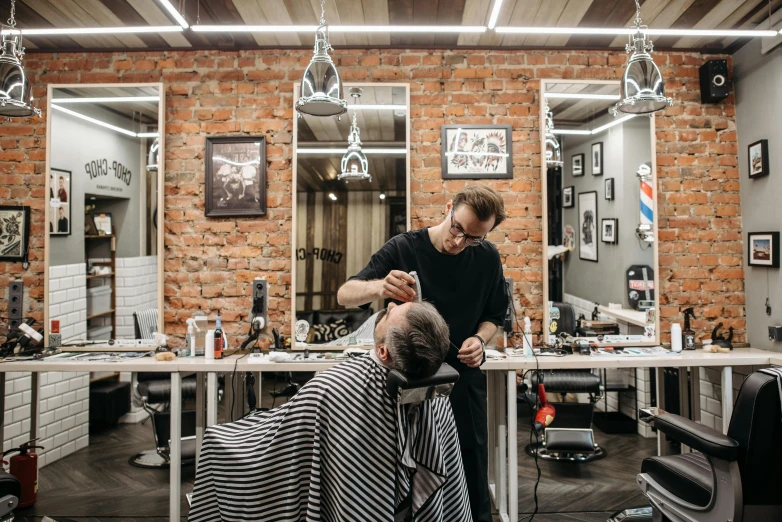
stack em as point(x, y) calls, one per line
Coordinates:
point(467, 289)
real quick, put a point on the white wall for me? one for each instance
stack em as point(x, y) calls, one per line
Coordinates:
point(68, 299)
point(136, 290)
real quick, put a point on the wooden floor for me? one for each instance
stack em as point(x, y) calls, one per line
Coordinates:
point(97, 483)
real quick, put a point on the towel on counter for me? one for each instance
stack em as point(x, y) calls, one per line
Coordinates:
point(333, 452)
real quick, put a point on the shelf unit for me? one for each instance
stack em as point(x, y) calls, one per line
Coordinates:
point(91, 243)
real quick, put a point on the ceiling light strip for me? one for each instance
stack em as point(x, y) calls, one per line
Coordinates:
point(582, 96)
point(101, 30)
point(340, 28)
point(335, 150)
point(106, 125)
point(115, 99)
point(495, 12)
point(598, 130)
point(572, 131)
point(750, 33)
point(378, 107)
point(176, 14)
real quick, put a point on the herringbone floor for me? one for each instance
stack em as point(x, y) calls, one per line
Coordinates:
point(97, 484)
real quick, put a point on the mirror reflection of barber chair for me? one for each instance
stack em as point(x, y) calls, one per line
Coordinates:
point(411, 393)
point(733, 477)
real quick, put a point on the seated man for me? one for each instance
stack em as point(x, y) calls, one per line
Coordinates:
point(342, 449)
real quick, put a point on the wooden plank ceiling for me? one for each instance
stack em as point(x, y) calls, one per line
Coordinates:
point(700, 14)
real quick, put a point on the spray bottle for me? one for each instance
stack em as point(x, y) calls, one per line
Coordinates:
point(190, 341)
point(688, 333)
point(527, 338)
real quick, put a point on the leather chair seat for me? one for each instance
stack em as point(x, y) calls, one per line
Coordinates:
point(569, 381)
point(159, 391)
point(688, 476)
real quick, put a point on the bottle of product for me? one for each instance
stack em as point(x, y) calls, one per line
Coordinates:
point(676, 337)
point(190, 346)
point(209, 344)
point(527, 338)
point(595, 313)
point(219, 342)
point(688, 333)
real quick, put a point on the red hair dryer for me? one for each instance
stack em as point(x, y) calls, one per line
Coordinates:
point(545, 415)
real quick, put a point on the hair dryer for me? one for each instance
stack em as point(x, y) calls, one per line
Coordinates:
point(546, 413)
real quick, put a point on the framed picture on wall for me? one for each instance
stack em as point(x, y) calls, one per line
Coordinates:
point(587, 226)
point(59, 202)
point(476, 152)
point(577, 164)
point(103, 224)
point(609, 188)
point(609, 230)
point(567, 197)
point(14, 233)
point(758, 159)
point(235, 176)
point(763, 249)
point(597, 158)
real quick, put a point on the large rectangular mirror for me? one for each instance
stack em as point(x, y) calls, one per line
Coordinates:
point(104, 240)
point(338, 222)
point(599, 197)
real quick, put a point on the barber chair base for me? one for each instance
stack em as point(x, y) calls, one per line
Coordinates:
point(154, 459)
point(561, 455)
point(637, 514)
point(567, 445)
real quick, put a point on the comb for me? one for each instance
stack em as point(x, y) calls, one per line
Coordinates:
point(418, 297)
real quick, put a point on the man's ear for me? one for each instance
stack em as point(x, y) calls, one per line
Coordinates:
point(382, 352)
point(448, 206)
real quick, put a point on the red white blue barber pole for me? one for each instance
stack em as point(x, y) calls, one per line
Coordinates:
point(645, 230)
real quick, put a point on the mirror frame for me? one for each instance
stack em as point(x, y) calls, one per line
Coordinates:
point(544, 194)
point(408, 195)
point(160, 196)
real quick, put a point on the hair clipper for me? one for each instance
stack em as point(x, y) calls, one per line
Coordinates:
point(417, 287)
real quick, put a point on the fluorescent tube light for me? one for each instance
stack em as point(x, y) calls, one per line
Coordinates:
point(107, 125)
point(330, 150)
point(613, 123)
point(341, 28)
point(571, 131)
point(378, 107)
point(495, 13)
point(255, 28)
point(102, 30)
point(176, 14)
point(585, 96)
point(116, 99)
point(618, 31)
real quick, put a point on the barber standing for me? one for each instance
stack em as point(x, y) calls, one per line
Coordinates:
point(461, 275)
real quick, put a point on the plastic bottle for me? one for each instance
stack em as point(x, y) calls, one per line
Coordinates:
point(190, 341)
point(209, 345)
point(219, 342)
point(527, 338)
point(676, 337)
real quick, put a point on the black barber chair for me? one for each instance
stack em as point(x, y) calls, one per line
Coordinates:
point(153, 388)
point(413, 392)
point(733, 477)
point(10, 491)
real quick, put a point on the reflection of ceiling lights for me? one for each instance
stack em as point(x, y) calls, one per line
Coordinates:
point(236, 163)
point(494, 14)
point(107, 125)
point(597, 130)
point(642, 87)
point(582, 96)
point(109, 99)
point(176, 14)
point(553, 148)
point(326, 151)
point(321, 85)
point(455, 29)
point(377, 107)
point(16, 93)
point(382, 195)
point(332, 197)
point(354, 165)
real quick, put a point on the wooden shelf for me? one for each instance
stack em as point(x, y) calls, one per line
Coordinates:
point(98, 236)
point(95, 276)
point(107, 312)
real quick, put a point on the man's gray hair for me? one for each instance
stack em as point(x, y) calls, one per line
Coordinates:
point(419, 350)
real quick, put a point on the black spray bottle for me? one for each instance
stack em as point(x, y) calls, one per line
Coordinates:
point(688, 334)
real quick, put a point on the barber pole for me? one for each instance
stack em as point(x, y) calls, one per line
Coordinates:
point(645, 230)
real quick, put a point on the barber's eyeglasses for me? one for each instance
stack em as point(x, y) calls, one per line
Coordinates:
point(457, 232)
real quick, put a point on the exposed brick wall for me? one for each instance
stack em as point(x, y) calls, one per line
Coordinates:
point(209, 262)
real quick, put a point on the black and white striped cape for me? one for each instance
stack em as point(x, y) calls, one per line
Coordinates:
point(334, 453)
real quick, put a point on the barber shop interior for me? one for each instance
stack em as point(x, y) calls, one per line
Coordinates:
point(390, 260)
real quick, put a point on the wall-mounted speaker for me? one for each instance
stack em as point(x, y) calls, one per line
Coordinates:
point(714, 81)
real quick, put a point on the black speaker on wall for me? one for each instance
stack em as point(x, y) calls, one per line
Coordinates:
point(714, 81)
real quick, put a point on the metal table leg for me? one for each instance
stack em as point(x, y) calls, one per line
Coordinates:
point(491, 408)
point(502, 436)
point(199, 414)
point(35, 412)
point(727, 397)
point(2, 408)
point(660, 384)
point(211, 398)
point(513, 464)
point(175, 470)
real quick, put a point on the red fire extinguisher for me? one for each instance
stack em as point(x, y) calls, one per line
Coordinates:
point(25, 468)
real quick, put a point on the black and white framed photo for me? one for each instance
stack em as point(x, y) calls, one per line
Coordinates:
point(763, 249)
point(758, 159)
point(567, 197)
point(14, 233)
point(476, 152)
point(609, 188)
point(103, 223)
point(59, 202)
point(587, 224)
point(577, 164)
point(235, 176)
point(609, 230)
point(597, 158)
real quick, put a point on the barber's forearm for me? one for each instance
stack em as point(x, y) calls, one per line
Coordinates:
point(355, 292)
point(486, 330)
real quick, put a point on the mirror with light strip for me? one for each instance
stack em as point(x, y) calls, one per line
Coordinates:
point(601, 275)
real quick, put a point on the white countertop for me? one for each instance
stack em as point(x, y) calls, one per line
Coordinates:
point(626, 315)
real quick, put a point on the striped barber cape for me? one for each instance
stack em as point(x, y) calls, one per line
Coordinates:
point(334, 452)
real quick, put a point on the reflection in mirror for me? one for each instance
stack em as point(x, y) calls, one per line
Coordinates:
point(102, 205)
point(341, 221)
point(601, 248)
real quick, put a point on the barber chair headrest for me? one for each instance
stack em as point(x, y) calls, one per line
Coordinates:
point(411, 391)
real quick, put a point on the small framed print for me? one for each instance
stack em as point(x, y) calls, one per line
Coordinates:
point(102, 224)
point(597, 158)
point(14, 233)
point(476, 151)
point(587, 224)
point(609, 188)
point(763, 249)
point(609, 229)
point(577, 164)
point(567, 197)
point(758, 159)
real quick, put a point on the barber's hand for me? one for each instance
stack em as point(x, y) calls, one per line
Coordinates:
point(471, 352)
point(396, 285)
